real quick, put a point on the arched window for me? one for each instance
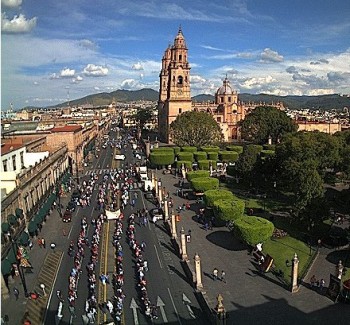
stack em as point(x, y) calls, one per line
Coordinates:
point(180, 80)
point(180, 57)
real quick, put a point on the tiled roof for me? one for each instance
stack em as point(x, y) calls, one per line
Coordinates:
point(8, 147)
point(67, 128)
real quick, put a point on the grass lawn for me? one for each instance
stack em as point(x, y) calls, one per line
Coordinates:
point(283, 249)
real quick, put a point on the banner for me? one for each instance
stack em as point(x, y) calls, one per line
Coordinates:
point(112, 215)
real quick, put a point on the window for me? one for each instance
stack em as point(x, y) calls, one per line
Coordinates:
point(180, 57)
point(229, 99)
point(221, 99)
point(14, 162)
point(22, 160)
point(4, 165)
point(180, 110)
point(180, 80)
point(218, 119)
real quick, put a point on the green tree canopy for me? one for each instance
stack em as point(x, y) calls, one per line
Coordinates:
point(264, 122)
point(142, 116)
point(195, 129)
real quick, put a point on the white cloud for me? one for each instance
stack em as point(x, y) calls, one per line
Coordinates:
point(268, 55)
point(196, 79)
point(54, 76)
point(93, 70)
point(137, 66)
point(19, 24)
point(11, 3)
point(67, 73)
point(251, 83)
point(129, 84)
point(90, 45)
point(79, 78)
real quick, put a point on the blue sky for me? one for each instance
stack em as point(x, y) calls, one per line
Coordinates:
point(53, 50)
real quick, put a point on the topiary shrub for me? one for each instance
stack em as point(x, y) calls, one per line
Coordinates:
point(205, 164)
point(162, 158)
point(253, 229)
point(227, 156)
point(228, 209)
point(255, 147)
point(187, 164)
point(185, 156)
point(188, 149)
point(211, 196)
point(210, 149)
point(200, 155)
point(267, 153)
point(197, 174)
point(177, 150)
point(238, 149)
point(213, 155)
point(203, 184)
point(269, 147)
point(162, 149)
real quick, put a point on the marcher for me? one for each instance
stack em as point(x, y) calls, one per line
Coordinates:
point(30, 244)
point(215, 274)
point(16, 293)
point(321, 285)
point(40, 242)
point(223, 276)
point(43, 242)
point(313, 281)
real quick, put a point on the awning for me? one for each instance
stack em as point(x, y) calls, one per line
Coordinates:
point(5, 227)
point(24, 238)
point(12, 219)
point(6, 267)
point(39, 217)
point(12, 258)
point(32, 226)
point(19, 213)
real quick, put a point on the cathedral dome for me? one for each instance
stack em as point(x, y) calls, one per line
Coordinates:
point(225, 89)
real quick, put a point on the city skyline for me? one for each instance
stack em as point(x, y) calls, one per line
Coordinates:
point(52, 52)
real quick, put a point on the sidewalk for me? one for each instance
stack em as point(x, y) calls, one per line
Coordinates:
point(37, 257)
point(248, 297)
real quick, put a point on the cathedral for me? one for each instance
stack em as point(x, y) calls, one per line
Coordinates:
point(175, 95)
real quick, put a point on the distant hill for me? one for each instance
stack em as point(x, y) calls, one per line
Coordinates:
point(324, 102)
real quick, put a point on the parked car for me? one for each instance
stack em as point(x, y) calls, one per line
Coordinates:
point(67, 217)
point(156, 214)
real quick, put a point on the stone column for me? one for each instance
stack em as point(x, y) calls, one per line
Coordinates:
point(295, 268)
point(166, 210)
point(160, 193)
point(183, 245)
point(197, 263)
point(173, 226)
point(148, 148)
point(153, 180)
point(156, 186)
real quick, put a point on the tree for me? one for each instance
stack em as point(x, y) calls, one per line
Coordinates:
point(142, 116)
point(264, 122)
point(195, 129)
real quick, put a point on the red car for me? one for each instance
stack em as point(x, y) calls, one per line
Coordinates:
point(67, 217)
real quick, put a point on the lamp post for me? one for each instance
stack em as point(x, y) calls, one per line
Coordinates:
point(20, 271)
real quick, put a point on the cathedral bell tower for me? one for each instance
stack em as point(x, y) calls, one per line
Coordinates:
point(174, 90)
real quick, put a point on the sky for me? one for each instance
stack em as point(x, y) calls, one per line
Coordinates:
point(52, 51)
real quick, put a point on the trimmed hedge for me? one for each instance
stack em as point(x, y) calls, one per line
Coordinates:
point(227, 209)
point(188, 149)
point(269, 147)
point(211, 196)
point(253, 230)
point(228, 156)
point(267, 153)
point(213, 155)
point(161, 158)
point(210, 149)
point(162, 149)
point(200, 155)
point(205, 164)
point(257, 148)
point(238, 149)
point(186, 163)
point(177, 150)
point(197, 174)
point(203, 184)
point(185, 156)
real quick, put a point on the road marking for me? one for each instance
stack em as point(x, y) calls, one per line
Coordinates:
point(188, 302)
point(160, 262)
point(161, 305)
point(134, 306)
point(172, 301)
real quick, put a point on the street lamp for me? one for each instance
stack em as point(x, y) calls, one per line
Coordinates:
point(20, 271)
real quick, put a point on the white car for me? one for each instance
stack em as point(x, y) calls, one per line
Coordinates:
point(119, 157)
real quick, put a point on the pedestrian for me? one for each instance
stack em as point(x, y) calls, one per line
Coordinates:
point(313, 281)
point(321, 285)
point(30, 244)
point(215, 274)
point(40, 242)
point(16, 293)
point(223, 276)
point(43, 242)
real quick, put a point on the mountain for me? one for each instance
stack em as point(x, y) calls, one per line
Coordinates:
point(324, 102)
